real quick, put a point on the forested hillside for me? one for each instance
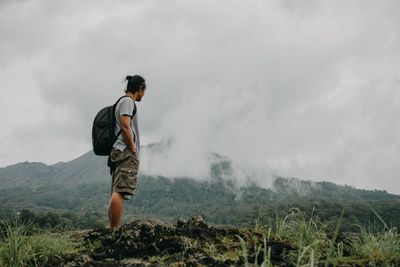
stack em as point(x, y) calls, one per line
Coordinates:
point(80, 189)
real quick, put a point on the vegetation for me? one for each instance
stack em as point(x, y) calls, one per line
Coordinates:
point(295, 222)
point(56, 221)
point(75, 195)
point(378, 248)
point(318, 244)
point(294, 239)
point(23, 245)
point(218, 202)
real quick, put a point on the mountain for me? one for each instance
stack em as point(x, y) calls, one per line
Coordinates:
point(226, 196)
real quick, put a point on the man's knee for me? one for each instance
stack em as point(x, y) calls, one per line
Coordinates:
point(116, 196)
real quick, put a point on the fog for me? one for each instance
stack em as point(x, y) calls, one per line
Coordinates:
point(298, 89)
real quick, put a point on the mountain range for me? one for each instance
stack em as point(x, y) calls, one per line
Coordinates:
point(225, 196)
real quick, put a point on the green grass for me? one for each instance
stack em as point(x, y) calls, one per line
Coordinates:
point(309, 236)
point(382, 248)
point(20, 245)
point(243, 252)
point(317, 244)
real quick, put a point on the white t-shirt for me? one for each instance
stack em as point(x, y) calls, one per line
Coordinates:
point(126, 106)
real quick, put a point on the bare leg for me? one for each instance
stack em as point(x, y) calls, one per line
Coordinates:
point(115, 209)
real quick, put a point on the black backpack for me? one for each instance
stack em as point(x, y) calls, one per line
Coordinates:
point(103, 130)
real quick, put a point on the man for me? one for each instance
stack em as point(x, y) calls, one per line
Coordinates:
point(124, 156)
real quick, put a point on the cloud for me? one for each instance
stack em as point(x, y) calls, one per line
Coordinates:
point(306, 90)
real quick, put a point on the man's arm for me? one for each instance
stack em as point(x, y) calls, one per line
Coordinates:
point(127, 133)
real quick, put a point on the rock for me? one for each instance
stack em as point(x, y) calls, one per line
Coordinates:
point(187, 243)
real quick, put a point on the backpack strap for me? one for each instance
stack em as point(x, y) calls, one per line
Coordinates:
point(134, 109)
point(115, 106)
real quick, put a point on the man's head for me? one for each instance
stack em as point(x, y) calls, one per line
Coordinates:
point(136, 86)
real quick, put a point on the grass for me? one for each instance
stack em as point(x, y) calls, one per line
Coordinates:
point(382, 248)
point(318, 244)
point(309, 236)
point(14, 249)
point(20, 245)
point(314, 243)
point(243, 251)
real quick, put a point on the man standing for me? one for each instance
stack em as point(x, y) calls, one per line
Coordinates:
point(124, 156)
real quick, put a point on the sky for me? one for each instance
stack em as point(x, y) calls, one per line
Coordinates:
point(306, 89)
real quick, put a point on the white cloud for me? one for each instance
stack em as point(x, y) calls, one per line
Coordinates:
point(301, 89)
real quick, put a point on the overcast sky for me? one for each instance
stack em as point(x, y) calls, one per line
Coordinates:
point(307, 89)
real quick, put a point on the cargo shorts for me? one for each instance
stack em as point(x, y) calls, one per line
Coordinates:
point(124, 171)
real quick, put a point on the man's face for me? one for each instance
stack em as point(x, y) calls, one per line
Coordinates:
point(141, 92)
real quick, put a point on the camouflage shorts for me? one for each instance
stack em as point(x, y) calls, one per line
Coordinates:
point(124, 172)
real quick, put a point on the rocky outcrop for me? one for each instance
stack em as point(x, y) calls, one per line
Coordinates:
point(187, 243)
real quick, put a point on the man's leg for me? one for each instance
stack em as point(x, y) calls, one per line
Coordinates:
point(115, 209)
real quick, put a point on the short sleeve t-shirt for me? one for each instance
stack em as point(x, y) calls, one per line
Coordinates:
point(126, 106)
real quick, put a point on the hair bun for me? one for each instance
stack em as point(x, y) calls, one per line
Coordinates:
point(128, 77)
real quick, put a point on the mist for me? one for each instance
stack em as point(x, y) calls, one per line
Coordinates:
point(307, 90)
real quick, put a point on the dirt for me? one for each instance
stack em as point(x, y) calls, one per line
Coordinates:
point(187, 243)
